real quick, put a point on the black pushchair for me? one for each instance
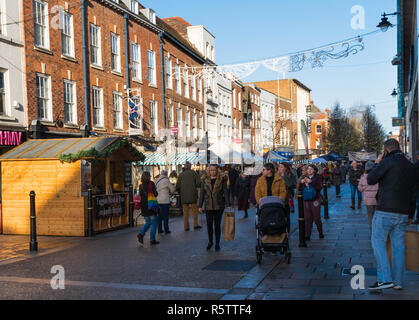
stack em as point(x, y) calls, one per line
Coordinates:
point(272, 228)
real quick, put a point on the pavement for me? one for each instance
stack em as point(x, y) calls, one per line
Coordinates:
point(114, 266)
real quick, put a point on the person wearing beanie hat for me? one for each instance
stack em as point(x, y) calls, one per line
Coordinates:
point(369, 192)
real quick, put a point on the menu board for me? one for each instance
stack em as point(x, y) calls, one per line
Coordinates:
point(110, 205)
point(127, 176)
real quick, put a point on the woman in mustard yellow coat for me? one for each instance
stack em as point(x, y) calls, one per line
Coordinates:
point(270, 184)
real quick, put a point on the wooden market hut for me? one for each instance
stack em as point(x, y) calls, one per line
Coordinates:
point(60, 172)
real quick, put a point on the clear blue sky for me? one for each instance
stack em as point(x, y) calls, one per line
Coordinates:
point(252, 30)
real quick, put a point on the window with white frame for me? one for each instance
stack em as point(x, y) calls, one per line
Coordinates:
point(97, 102)
point(152, 68)
point(234, 98)
point(115, 53)
point(70, 102)
point(67, 34)
point(95, 50)
point(136, 61)
point(185, 82)
point(318, 129)
point(193, 88)
point(2, 29)
point(201, 125)
point(179, 119)
point(3, 107)
point(240, 101)
point(40, 16)
point(187, 122)
point(168, 67)
point(134, 6)
point(117, 110)
point(177, 78)
point(179, 116)
point(194, 124)
point(153, 118)
point(43, 97)
point(199, 85)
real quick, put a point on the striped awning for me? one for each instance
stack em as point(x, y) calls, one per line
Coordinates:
point(161, 159)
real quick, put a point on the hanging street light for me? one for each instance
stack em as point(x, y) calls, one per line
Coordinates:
point(394, 93)
point(384, 25)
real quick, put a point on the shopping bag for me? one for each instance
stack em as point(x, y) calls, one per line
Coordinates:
point(229, 226)
point(411, 242)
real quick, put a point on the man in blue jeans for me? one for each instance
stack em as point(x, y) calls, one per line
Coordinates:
point(395, 208)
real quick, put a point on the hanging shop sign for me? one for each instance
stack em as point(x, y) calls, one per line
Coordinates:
point(10, 138)
point(398, 122)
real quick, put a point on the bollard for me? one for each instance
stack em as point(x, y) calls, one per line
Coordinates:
point(33, 245)
point(301, 220)
point(89, 212)
point(131, 205)
point(325, 201)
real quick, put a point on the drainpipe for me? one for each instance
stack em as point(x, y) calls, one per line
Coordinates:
point(86, 70)
point(127, 55)
point(127, 64)
point(163, 84)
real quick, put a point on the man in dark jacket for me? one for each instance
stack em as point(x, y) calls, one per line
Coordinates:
point(233, 175)
point(187, 186)
point(396, 204)
point(355, 172)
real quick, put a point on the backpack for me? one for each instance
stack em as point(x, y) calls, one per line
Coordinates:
point(272, 221)
point(310, 193)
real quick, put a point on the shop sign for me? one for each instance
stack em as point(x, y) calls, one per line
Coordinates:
point(174, 130)
point(110, 205)
point(10, 138)
point(398, 122)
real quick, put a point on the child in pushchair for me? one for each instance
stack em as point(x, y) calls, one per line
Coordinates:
point(272, 228)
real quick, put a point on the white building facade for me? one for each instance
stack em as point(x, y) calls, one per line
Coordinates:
point(303, 100)
point(267, 110)
point(13, 105)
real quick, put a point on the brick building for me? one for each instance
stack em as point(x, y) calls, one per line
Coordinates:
point(318, 135)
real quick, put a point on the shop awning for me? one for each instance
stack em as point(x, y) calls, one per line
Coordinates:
point(161, 159)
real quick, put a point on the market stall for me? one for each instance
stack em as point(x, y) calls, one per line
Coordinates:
point(60, 172)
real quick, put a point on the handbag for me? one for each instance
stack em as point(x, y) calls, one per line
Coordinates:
point(152, 204)
point(310, 193)
point(229, 226)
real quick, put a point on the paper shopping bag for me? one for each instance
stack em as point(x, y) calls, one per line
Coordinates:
point(411, 242)
point(229, 226)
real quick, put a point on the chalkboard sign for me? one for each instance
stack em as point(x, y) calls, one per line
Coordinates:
point(127, 176)
point(110, 205)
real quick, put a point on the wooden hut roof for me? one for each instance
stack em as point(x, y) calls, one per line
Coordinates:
point(53, 148)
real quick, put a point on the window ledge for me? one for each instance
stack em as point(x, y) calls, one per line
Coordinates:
point(69, 58)
point(7, 118)
point(119, 130)
point(137, 81)
point(43, 50)
point(97, 67)
point(152, 85)
point(47, 123)
point(117, 73)
point(9, 40)
point(99, 129)
point(71, 125)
